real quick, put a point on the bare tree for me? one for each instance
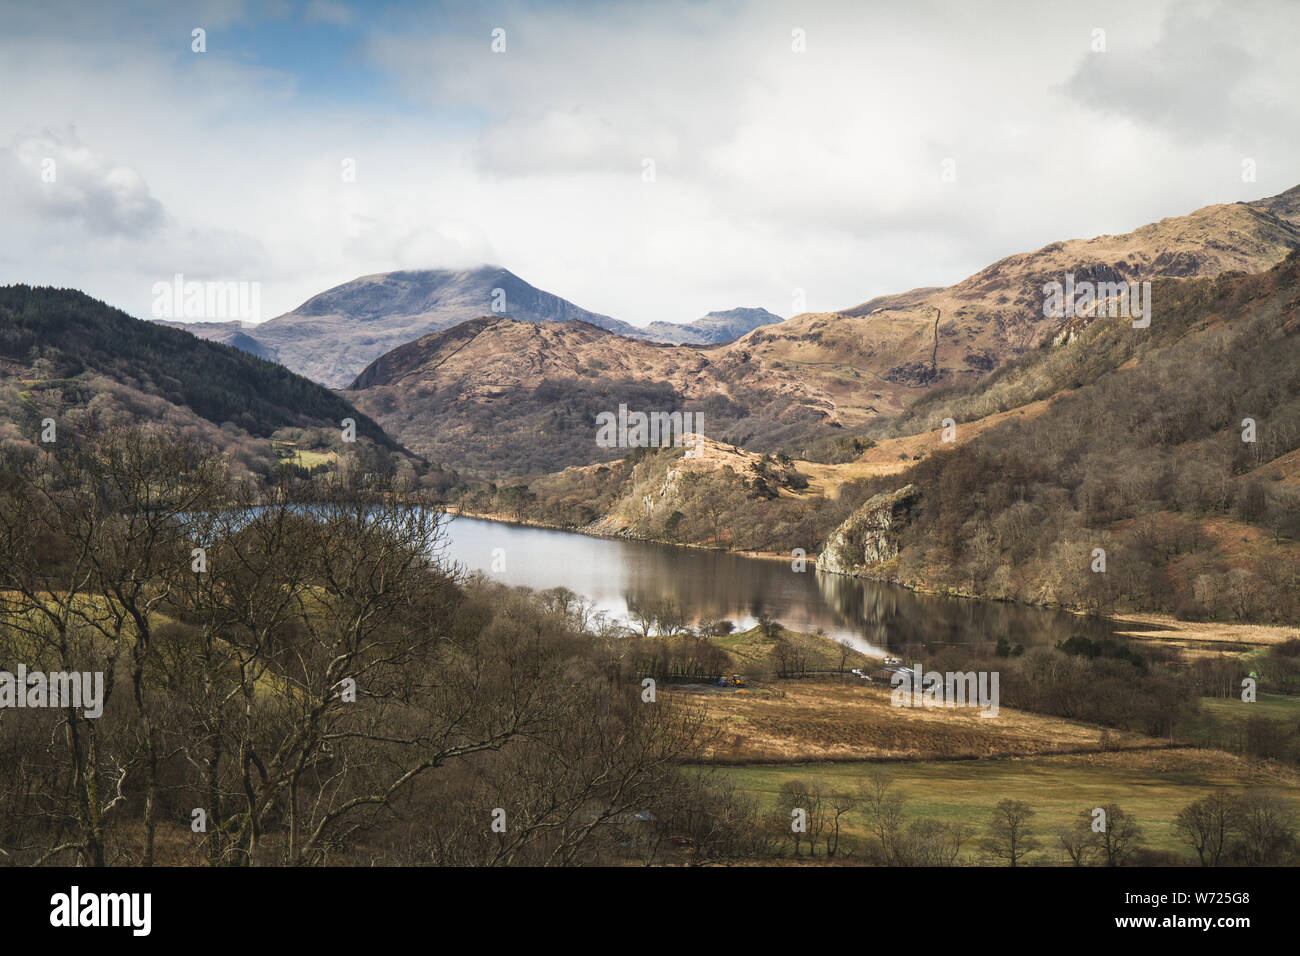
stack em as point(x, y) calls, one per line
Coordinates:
point(931, 842)
point(806, 813)
point(846, 651)
point(1207, 825)
point(1120, 836)
point(1267, 826)
point(838, 805)
point(90, 531)
point(1078, 842)
point(1010, 838)
point(884, 813)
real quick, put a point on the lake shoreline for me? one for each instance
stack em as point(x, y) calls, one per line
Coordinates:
point(532, 523)
point(1141, 625)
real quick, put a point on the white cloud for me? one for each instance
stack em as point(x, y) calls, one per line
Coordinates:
point(56, 176)
point(775, 170)
point(1215, 73)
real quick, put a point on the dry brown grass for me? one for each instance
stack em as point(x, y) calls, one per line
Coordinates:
point(894, 455)
point(1285, 468)
point(1204, 637)
point(751, 651)
point(817, 720)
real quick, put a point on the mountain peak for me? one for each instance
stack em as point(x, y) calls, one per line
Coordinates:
point(335, 334)
point(715, 328)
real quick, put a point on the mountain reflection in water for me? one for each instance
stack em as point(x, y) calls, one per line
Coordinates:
point(610, 572)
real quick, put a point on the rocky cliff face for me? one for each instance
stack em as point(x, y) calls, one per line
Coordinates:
point(869, 535)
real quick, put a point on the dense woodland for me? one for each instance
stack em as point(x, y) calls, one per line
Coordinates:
point(88, 367)
point(300, 679)
point(66, 334)
point(324, 689)
point(1146, 460)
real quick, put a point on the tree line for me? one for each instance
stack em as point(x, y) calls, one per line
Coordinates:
point(1253, 827)
point(298, 678)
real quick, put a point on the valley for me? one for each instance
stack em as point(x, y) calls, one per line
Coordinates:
point(446, 444)
point(1104, 515)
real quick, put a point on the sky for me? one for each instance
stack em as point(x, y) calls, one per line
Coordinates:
point(648, 161)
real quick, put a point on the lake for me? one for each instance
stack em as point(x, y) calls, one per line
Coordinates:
point(876, 617)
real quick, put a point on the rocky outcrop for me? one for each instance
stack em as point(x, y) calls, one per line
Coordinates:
point(870, 535)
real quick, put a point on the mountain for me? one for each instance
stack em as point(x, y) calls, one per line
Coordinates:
point(334, 335)
point(87, 365)
point(715, 328)
point(1174, 449)
point(521, 401)
point(875, 358)
point(502, 397)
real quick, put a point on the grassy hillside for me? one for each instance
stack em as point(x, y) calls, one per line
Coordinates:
point(66, 356)
point(876, 358)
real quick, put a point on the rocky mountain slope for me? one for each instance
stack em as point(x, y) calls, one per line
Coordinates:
point(332, 336)
point(501, 397)
point(869, 536)
point(524, 400)
point(875, 358)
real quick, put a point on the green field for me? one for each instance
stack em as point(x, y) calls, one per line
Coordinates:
point(1152, 785)
point(303, 457)
point(1220, 713)
point(1272, 706)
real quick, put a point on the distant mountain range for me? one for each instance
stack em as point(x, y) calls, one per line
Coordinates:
point(334, 335)
point(716, 328)
point(510, 401)
point(480, 367)
point(871, 359)
point(227, 333)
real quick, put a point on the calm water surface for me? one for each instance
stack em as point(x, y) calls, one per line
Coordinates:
point(713, 584)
